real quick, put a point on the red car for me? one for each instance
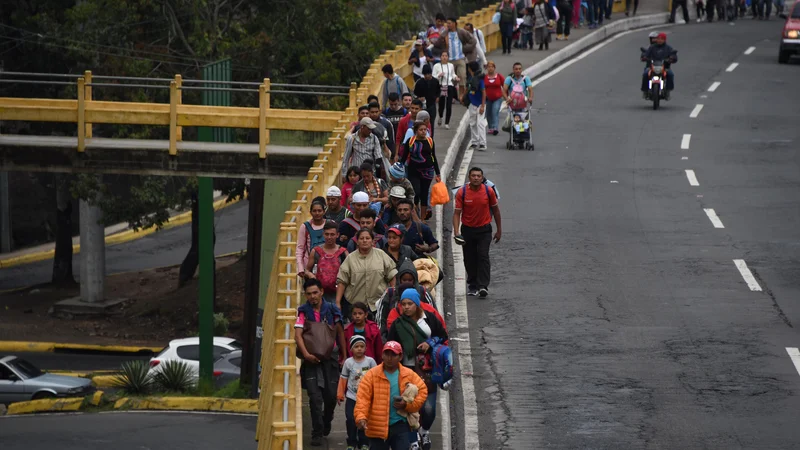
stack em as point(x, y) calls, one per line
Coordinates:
point(790, 37)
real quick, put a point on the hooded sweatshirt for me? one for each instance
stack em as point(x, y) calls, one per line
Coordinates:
point(391, 298)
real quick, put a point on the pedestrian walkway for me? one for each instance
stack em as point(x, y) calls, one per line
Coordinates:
point(443, 138)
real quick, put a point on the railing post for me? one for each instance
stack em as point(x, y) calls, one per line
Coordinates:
point(173, 118)
point(87, 76)
point(262, 121)
point(81, 115)
point(353, 98)
point(267, 101)
point(179, 84)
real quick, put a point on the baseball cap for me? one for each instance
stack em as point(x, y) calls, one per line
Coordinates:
point(367, 122)
point(423, 116)
point(395, 230)
point(398, 192)
point(360, 197)
point(394, 347)
point(334, 191)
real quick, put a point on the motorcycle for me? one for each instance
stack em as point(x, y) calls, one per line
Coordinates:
point(657, 81)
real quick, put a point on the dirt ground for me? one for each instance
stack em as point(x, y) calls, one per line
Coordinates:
point(155, 312)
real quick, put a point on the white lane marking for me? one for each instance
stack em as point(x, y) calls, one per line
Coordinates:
point(696, 111)
point(714, 86)
point(687, 138)
point(471, 440)
point(732, 67)
point(794, 354)
point(692, 178)
point(747, 275)
point(614, 182)
point(444, 396)
point(712, 215)
point(684, 157)
point(749, 50)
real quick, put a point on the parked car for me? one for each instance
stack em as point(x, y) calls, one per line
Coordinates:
point(227, 368)
point(21, 381)
point(790, 35)
point(188, 350)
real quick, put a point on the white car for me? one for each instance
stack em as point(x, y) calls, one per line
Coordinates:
point(188, 350)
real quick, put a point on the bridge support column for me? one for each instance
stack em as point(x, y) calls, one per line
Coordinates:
point(5, 215)
point(93, 253)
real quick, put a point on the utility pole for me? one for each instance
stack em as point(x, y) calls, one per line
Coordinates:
point(93, 250)
point(218, 71)
point(250, 352)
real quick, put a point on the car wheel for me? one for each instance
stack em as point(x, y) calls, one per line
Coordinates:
point(43, 395)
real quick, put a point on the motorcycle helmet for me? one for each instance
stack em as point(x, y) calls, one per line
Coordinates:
point(653, 37)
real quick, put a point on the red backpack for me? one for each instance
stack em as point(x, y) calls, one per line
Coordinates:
point(328, 267)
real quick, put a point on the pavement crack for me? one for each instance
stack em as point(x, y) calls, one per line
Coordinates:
point(599, 300)
point(498, 395)
point(771, 295)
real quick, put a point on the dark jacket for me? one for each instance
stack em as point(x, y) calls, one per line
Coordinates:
point(406, 254)
point(415, 54)
point(391, 297)
point(429, 90)
point(661, 53)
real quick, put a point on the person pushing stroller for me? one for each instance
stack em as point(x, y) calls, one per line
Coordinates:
point(518, 94)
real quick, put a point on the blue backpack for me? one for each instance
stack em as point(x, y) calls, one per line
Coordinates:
point(442, 359)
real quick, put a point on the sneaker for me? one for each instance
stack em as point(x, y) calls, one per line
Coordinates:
point(426, 442)
point(439, 122)
point(364, 447)
point(481, 148)
point(495, 132)
point(447, 126)
point(473, 146)
point(414, 446)
point(472, 292)
point(483, 293)
point(316, 441)
point(490, 131)
point(327, 430)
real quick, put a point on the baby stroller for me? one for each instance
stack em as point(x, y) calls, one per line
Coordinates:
point(520, 139)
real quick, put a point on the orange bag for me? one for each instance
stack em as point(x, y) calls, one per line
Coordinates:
point(440, 195)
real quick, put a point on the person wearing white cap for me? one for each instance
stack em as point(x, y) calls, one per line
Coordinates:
point(396, 194)
point(420, 57)
point(350, 225)
point(335, 212)
point(361, 146)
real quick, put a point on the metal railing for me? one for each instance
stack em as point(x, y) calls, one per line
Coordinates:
point(85, 111)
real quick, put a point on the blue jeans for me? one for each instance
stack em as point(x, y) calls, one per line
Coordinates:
point(397, 440)
point(609, 8)
point(598, 8)
point(493, 112)
point(355, 437)
point(670, 79)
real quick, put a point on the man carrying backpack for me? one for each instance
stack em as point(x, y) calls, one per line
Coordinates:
point(517, 84)
point(476, 203)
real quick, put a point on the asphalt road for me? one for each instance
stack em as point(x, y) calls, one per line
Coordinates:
point(77, 362)
point(164, 248)
point(617, 318)
point(128, 431)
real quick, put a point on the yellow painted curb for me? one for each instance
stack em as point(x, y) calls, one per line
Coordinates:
point(45, 405)
point(43, 347)
point(70, 373)
point(215, 404)
point(104, 381)
point(118, 238)
point(97, 398)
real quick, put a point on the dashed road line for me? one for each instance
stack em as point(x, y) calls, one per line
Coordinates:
point(732, 67)
point(794, 354)
point(712, 216)
point(687, 138)
point(749, 50)
point(747, 275)
point(684, 157)
point(692, 177)
point(714, 86)
point(696, 111)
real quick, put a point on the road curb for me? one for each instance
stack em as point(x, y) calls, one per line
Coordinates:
point(113, 239)
point(48, 347)
point(45, 405)
point(105, 381)
point(213, 404)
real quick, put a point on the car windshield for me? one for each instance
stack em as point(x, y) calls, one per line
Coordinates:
point(27, 369)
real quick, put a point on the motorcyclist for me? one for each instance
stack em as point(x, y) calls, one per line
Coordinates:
point(660, 51)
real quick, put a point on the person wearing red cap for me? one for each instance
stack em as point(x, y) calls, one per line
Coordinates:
point(660, 51)
point(379, 399)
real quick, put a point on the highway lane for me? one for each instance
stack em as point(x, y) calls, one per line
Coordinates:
point(163, 248)
point(128, 431)
point(617, 318)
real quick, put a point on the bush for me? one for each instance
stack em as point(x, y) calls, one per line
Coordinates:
point(220, 324)
point(233, 390)
point(174, 376)
point(134, 378)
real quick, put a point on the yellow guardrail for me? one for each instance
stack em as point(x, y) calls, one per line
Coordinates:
point(280, 419)
point(84, 112)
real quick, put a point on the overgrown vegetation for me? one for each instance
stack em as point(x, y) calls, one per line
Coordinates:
point(220, 324)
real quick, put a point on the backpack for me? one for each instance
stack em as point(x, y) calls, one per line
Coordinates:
point(517, 95)
point(328, 268)
point(442, 358)
point(315, 237)
point(508, 14)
